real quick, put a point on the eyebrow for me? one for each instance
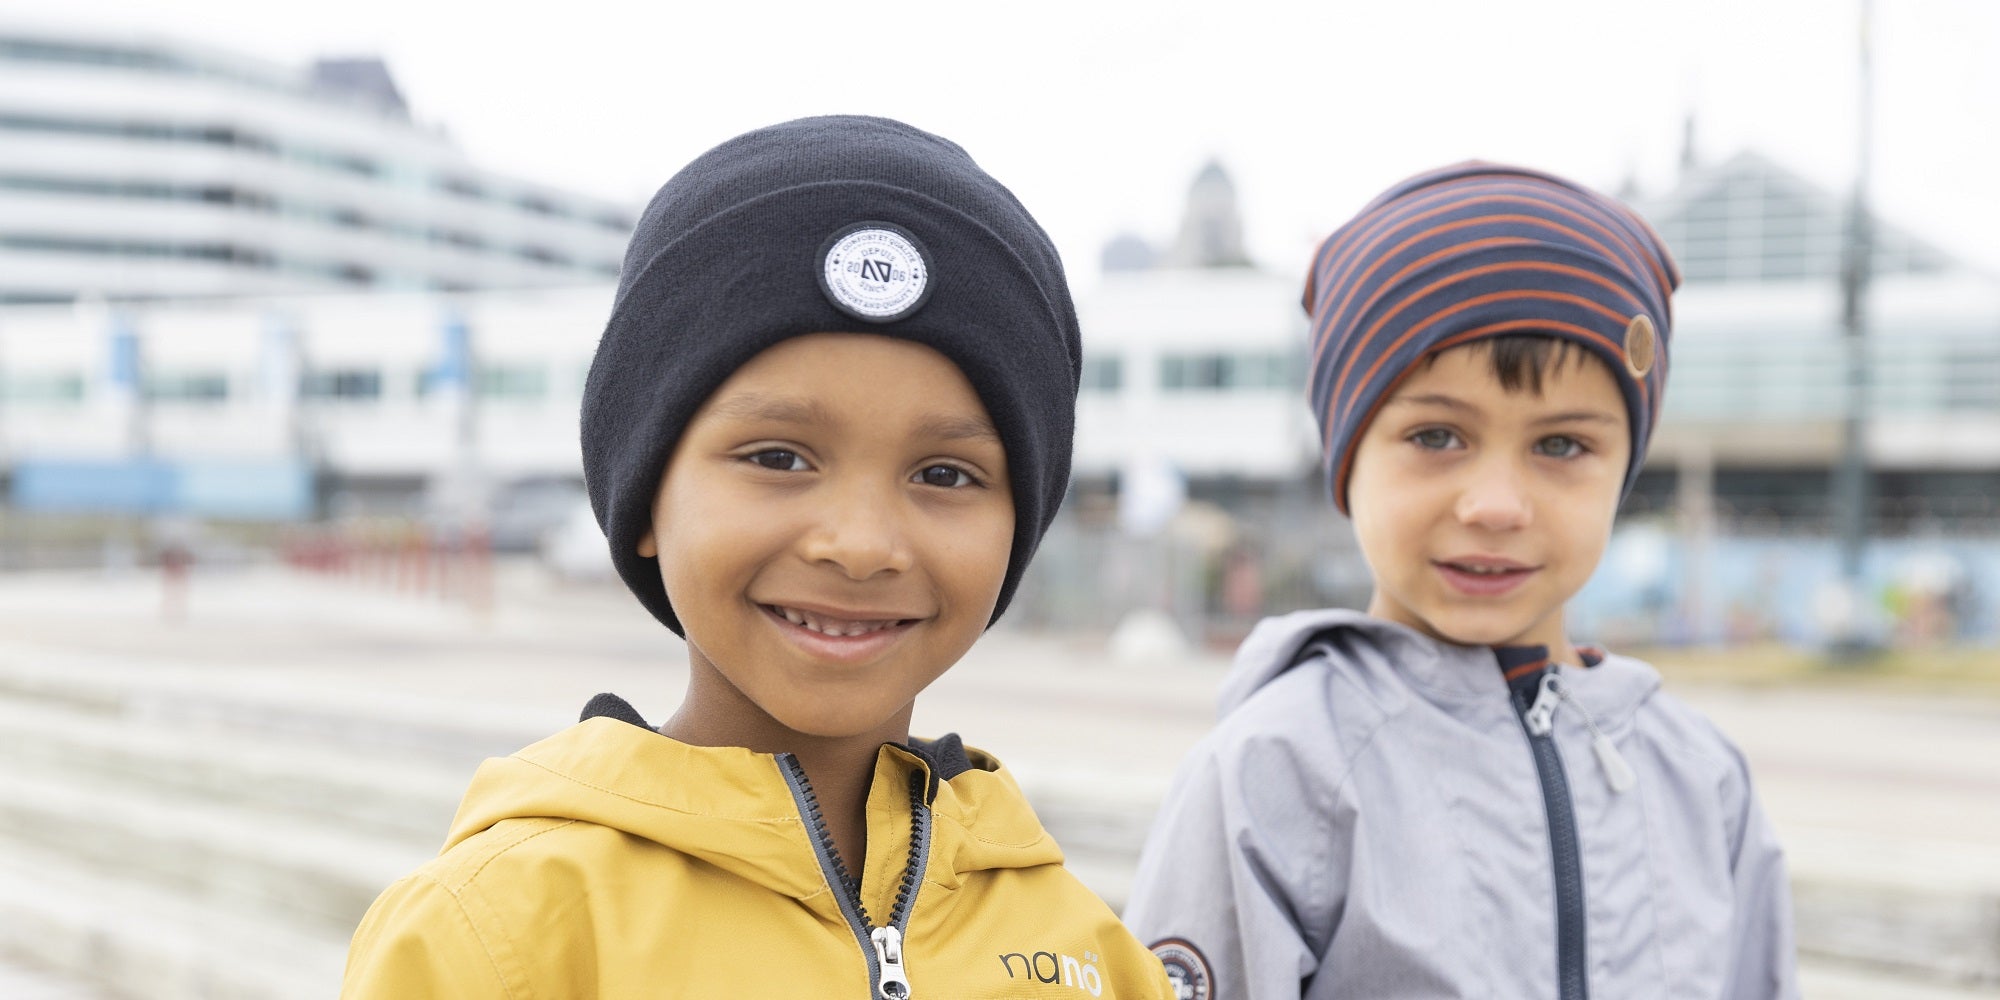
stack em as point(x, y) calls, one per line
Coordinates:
point(771, 409)
point(783, 410)
point(1454, 403)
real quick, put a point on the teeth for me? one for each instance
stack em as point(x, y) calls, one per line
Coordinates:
point(831, 626)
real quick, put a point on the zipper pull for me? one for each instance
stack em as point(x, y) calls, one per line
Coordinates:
point(889, 952)
point(1541, 716)
point(1617, 772)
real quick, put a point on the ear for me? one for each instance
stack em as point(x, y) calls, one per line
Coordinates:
point(649, 547)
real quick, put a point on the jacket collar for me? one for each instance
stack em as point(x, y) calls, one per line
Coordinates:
point(732, 807)
point(1451, 676)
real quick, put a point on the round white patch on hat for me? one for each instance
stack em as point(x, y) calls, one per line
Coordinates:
point(1187, 969)
point(874, 271)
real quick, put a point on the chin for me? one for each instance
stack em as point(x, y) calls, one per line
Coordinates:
point(829, 726)
point(1467, 630)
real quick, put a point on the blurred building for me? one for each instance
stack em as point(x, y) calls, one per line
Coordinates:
point(1195, 357)
point(138, 167)
point(289, 406)
point(1192, 387)
point(1758, 391)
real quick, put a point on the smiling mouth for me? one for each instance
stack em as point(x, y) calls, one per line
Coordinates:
point(839, 628)
point(1484, 578)
point(1485, 570)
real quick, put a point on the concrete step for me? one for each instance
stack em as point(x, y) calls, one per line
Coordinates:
point(276, 868)
point(1930, 907)
point(337, 763)
point(20, 980)
point(372, 794)
point(268, 705)
point(136, 940)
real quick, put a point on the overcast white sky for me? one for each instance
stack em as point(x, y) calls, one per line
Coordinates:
point(1098, 113)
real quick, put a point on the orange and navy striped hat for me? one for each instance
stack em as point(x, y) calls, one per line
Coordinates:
point(1482, 250)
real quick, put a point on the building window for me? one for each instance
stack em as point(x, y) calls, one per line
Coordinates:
point(1214, 371)
point(188, 387)
point(519, 383)
point(462, 187)
point(1103, 373)
point(542, 255)
point(41, 388)
point(342, 383)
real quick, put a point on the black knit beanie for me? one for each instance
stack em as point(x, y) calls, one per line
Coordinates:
point(839, 224)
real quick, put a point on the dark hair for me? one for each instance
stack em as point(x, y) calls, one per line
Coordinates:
point(1519, 360)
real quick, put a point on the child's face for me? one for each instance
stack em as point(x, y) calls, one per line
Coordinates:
point(833, 530)
point(1481, 511)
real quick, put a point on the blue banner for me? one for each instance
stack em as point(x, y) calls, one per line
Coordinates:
point(249, 491)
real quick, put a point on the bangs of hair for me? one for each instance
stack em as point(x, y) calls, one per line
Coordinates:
point(1520, 360)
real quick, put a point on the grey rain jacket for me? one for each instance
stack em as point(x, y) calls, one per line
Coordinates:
point(1367, 821)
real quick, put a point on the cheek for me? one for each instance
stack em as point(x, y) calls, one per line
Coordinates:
point(707, 532)
point(1586, 529)
point(970, 556)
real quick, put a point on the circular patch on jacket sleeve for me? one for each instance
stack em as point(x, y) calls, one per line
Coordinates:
point(875, 271)
point(1187, 969)
point(1642, 345)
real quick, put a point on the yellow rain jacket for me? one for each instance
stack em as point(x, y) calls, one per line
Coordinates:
point(610, 861)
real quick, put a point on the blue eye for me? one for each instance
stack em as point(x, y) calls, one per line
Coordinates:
point(1560, 446)
point(946, 476)
point(778, 460)
point(1434, 439)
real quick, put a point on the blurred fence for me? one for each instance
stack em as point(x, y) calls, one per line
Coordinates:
point(1755, 577)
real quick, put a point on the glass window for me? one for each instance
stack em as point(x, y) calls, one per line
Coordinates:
point(1103, 373)
point(1214, 371)
point(41, 387)
point(188, 387)
point(515, 382)
point(342, 383)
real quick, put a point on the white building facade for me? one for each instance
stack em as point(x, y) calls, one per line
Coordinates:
point(135, 167)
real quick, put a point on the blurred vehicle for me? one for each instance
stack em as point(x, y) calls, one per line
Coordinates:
point(575, 549)
point(523, 512)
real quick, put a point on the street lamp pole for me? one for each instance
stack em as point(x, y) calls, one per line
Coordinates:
point(1851, 485)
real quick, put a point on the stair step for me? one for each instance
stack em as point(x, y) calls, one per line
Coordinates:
point(276, 867)
point(268, 705)
point(409, 800)
point(142, 941)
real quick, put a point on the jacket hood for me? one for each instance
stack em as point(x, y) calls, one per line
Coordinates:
point(1440, 671)
point(733, 808)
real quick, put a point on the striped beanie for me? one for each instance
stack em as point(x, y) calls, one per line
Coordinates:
point(1481, 250)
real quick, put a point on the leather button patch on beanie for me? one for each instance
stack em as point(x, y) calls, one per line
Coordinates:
point(874, 271)
point(1641, 346)
point(1475, 251)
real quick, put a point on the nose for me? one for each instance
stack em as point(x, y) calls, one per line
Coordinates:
point(860, 532)
point(1495, 498)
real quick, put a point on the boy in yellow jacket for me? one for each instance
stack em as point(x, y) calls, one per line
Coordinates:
point(827, 424)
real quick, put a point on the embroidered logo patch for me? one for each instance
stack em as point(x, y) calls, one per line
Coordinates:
point(874, 271)
point(1187, 970)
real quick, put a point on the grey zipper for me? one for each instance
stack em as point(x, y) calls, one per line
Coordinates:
point(1537, 720)
point(881, 947)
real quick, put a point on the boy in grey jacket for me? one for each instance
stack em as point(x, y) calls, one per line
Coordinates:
point(1444, 797)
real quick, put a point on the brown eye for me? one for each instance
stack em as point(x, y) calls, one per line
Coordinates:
point(779, 460)
point(946, 476)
